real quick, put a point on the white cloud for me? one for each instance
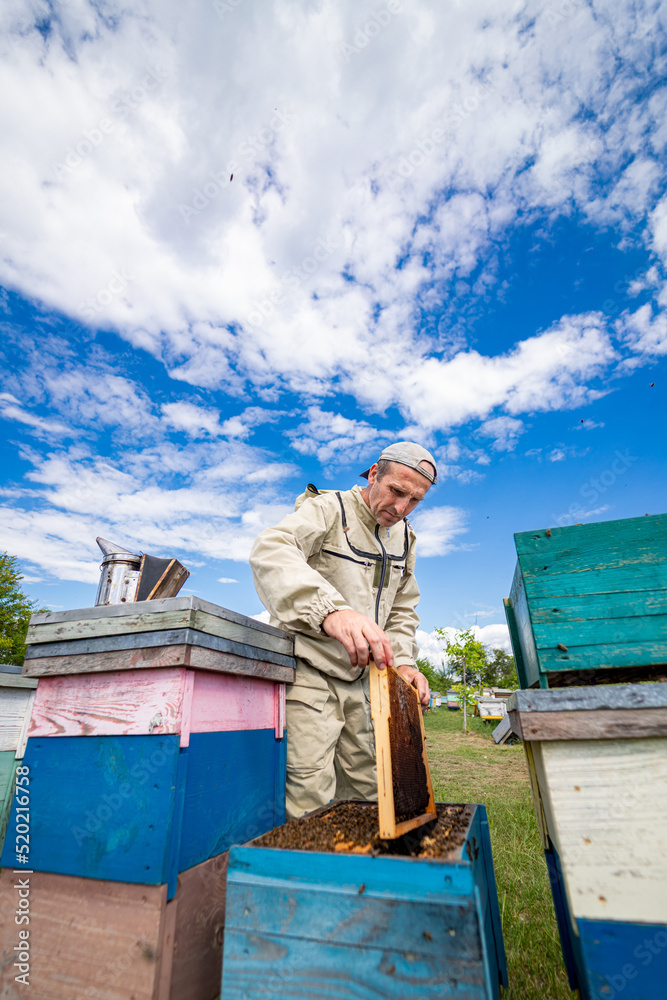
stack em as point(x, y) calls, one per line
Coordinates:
point(227, 579)
point(505, 431)
point(658, 226)
point(287, 275)
point(437, 528)
point(214, 506)
point(194, 420)
point(560, 453)
point(645, 332)
point(587, 424)
point(11, 409)
point(337, 439)
point(432, 647)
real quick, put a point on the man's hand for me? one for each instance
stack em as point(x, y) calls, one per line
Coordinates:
point(357, 632)
point(417, 679)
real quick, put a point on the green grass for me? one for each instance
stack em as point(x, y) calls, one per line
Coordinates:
point(471, 768)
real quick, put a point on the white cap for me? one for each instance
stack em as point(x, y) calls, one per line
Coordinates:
point(410, 454)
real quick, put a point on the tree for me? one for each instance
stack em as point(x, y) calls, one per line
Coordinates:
point(469, 657)
point(466, 653)
point(15, 611)
point(501, 670)
point(438, 680)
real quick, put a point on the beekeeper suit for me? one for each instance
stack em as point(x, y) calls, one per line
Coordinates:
point(339, 574)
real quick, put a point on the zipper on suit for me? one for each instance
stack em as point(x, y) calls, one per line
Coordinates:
point(382, 574)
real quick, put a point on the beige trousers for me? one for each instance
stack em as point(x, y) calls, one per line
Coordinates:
point(330, 744)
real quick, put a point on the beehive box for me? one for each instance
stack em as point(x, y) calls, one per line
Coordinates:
point(597, 759)
point(156, 740)
point(589, 603)
point(315, 923)
point(91, 938)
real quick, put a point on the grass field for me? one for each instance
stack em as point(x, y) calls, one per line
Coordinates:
point(471, 768)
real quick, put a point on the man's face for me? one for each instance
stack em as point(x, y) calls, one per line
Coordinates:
point(395, 495)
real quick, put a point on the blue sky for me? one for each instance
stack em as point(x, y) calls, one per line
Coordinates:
point(447, 222)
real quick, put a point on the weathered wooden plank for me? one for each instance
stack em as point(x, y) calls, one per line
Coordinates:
point(610, 814)
point(616, 696)
point(273, 964)
point(164, 621)
point(604, 724)
point(209, 659)
point(235, 791)
point(16, 681)
point(639, 540)
point(503, 730)
point(539, 787)
point(23, 735)
point(279, 709)
point(320, 913)
point(158, 606)
point(160, 656)
point(197, 964)
point(123, 659)
point(405, 878)
point(224, 702)
point(645, 629)
point(594, 579)
point(146, 640)
point(516, 645)
point(88, 938)
point(604, 607)
point(14, 704)
point(524, 629)
point(622, 654)
point(495, 958)
point(176, 833)
point(112, 704)
point(115, 822)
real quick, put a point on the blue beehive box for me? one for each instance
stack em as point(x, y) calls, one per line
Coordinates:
point(589, 603)
point(312, 924)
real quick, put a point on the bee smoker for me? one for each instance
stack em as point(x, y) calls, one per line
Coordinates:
point(120, 574)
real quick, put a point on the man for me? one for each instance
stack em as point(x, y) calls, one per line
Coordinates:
point(339, 574)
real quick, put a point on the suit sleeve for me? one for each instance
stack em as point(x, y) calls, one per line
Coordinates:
point(294, 593)
point(403, 621)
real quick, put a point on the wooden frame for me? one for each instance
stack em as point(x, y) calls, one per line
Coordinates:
point(380, 713)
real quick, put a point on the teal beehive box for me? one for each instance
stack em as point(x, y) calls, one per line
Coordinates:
point(308, 923)
point(589, 603)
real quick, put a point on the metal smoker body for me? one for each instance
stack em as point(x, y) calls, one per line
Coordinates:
point(120, 574)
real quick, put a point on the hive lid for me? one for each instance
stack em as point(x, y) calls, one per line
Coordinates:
point(405, 792)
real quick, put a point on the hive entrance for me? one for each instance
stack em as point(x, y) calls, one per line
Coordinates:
point(405, 793)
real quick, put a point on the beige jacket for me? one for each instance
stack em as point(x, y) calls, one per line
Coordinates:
point(309, 565)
